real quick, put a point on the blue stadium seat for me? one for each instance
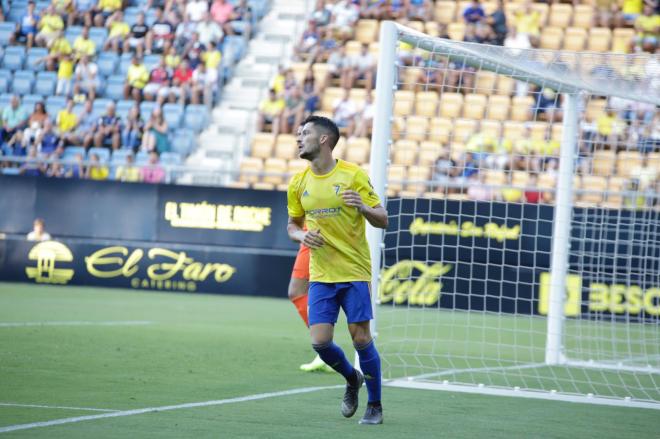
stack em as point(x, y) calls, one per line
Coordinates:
point(114, 90)
point(150, 17)
point(4, 84)
point(196, 118)
point(124, 64)
point(16, 13)
point(98, 35)
point(28, 101)
point(101, 104)
point(124, 107)
point(41, 5)
point(103, 153)
point(45, 84)
point(71, 151)
point(7, 29)
point(73, 32)
point(146, 108)
point(107, 63)
point(23, 82)
point(11, 171)
point(173, 114)
point(142, 158)
point(6, 74)
point(151, 61)
point(170, 158)
point(130, 14)
point(183, 141)
point(14, 58)
point(34, 55)
point(5, 100)
point(119, 156)
point(54, 104)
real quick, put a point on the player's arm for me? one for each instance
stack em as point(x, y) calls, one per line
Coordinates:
point(308, 238)
point(377, 215)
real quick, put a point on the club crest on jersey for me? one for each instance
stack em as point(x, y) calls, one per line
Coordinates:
point(337, 187)
point(305, 194)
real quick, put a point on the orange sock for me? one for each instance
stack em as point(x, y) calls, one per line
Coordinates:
point(300, 303)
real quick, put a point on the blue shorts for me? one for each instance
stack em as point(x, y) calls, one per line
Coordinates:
point(325, 299)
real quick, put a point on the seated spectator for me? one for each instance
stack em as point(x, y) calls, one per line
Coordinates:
point(468, 167)
point(172, 59)
point(84, 131)
point(473, 14)
point(630, 10)
point(294, 109)
point(647, 26)
point(609, 127)
point(310, 93)
point(477, 189)
point(153, 172)
point(35, 124)
point(27, 27)
point(181, 81)
point(161, 35)
point(14, 119)
point(58, 48)
point(86, 77)
point(133, 130)
point(158, 85)
point(184, 31)
point(344, 112)
point(83, 45)
point(221, 12)
point(421, 10)
point(196, 9)
point(366, 117)
point(82, 12)
point(512, 195)
point(606, 13)
point(107, 131)
point(240, 21)
point(212, 57)
point(64, 76)
point(497, 23)
point(155, 133)
point(308, 45)
point(203, 85)
point(38, 232)
point(48, 142)
point(531, 194)
point(362, 66)
point(96, 170)
point(548, 106)
point(396, 10)
point(118, 31)
point(67, 122)
point(528, 23)
point(33, 166)
point(193, 51)
point(137, 38)
point(75, 170)
point(376, 9)
point(444, 170)
point(340, 66)
point(128, 172)
point(270, 111)
point(56, 170)
point(50, 27)
point(136, 79)
point(104, 9)
point(344, 17)
point(208, 31)
point(321, 14)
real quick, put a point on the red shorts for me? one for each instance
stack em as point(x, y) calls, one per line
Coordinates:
point(301, 266)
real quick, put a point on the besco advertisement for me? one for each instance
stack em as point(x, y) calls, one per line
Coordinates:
point(157, 267)
point(496, 257)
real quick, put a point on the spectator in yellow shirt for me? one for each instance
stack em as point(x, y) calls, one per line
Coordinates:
point(50, 27)
point(270, 111)
point(212, 57)
point(647, 26)
point(97, 171)
point(630, 10)
point(58, 48)
point(128, 172)
point(609, 127)
point(528, 22)
point(118, 31)
point(136, 78)
point(67, 121)
point(64, 76)
point(104, 9)
point(83, 45)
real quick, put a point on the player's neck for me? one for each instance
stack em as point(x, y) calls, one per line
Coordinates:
point(323, 164)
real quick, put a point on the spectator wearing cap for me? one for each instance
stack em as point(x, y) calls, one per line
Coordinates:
point(137, 77)
point(193, 51)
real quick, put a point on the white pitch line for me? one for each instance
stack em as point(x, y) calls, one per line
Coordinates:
point(76, 323)
point(10, 404)
point(124, 413)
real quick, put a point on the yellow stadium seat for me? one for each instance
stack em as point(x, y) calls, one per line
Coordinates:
point(557, 131)
point(340, 148)
point(395, 176)
point(495, 177)
point(262, 145)
point(417, 25)
point(357, 150)
point(249, 168)
point(451, 104)
point(432, 28)
point(429, 152)
point(297, 165)
point(485, 82)
point(583, 16)
point(627, 162)
point(321, 72)
point(374, 48)
point(653, 160)
point(238, 185)
point(463, 129)
point(417, 128)
point(603, 163)
point(419, 178)
point(498, 107)
point(542, 9)
point(460, 8)
point(575, 38)
point(521, 107)
point(405, 152)
point(263, 186)
point(330, 95)
point(595, 107)
point(411, 77)
point(276, 166)
point(599, 39)
point(286, 147)
point(491, 128)
point(440, 130)
point(539, 130)
point(445, 11)
point(505, 85)
point(366, 31)
point(403, 102)
point(299, 70)
point(594, 187)
point(426, 103)
point(353, 48)
point(456, 31)
point(519, 178)
point(358, 96)
point(513, 130)
point(551, 38)
point(561, 15)
point(615, 188)
point(621, 40)
point(474, 106)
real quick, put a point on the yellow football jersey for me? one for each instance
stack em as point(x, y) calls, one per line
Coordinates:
point(345, 255)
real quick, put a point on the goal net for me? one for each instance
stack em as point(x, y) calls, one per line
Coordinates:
point(523, 251)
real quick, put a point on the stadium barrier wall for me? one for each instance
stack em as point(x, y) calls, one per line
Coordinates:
point(453, 255)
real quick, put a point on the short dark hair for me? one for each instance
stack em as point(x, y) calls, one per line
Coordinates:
point(326, 125)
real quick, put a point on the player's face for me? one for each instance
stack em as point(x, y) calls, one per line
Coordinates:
point(309, 145)
point(299, 139)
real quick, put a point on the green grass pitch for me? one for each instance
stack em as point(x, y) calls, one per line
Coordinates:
point(202, 348)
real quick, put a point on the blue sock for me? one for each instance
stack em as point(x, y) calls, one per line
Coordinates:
point(370, 365)
point(334, 357)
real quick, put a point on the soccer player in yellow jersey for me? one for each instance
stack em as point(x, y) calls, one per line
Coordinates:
point(333, 198)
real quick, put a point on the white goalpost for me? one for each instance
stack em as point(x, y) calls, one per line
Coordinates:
point(523, 252)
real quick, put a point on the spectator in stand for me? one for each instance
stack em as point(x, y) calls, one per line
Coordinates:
point(630, 10)
point(64, 76)
point(63, 8)
point(548, 106)
point(153, 172)
point(50, 27)
point(532, 194)
point(86, 76)
point(606, 13)
point(49, 142)
point(155, 133)
point(107, 130)
point(86, 125)
point(83, 45)
point(196, 10)
point(193, 51)
point(161, 35)
point(67, 122)
point(38, 232)
point(76, 170)
point(444, 170)
point(128, 172)
point(647, 26)
point(366, 117)
point(136, 79)
point(14, 119)
point(203, 85)
point(340, 66)
point(96, 170)
point(208, 31)
point(376, 9)
point(294, 109)
point(362, 66)
point(344, 112)
point(321, 14)
point(58, 48)
point(82, 13)
point(240, 21)
point(118, 31)
point(396, 10)
point(27, 27)
point(497, 23)
point(222, 12)
point(133, 130)
point(56, 170)
point(184, 31)
point(172, 59)
point(308, 46)
point(33, 167)
point(477, 189)
point(528, 23)
point(270, 111)
point(469, 167)
point(35, 124)
point(421, 10)
point(104, 9)
point(609, 128)
point(137, 39)
point(181, 81)
point(158, 85)
point(310, 93)
point(473, 14)
point(212, 57)
point(344, 17)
